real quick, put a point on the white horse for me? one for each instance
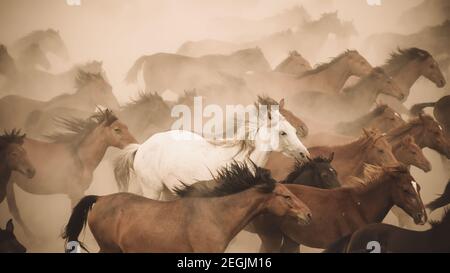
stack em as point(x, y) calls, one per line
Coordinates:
point(170, 160)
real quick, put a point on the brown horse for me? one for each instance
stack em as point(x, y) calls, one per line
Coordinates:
point(442, 200)
point(294, 64)
point(410, 154)
point(338, 212)
point(13, 157)
point(382, 118)
point(70, 159)
point(406, 66)
point(426, 132)
point(392, 239)
point(372, 148)
point(125, 222)
point(92, 91)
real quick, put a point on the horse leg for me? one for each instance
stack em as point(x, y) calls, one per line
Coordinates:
point(12, 204)
point(289, 245)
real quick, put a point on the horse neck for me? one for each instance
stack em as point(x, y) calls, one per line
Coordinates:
point(306, 178)
point(414, 131)
point(374, 200)
point(237, 210)
point(92, 150)
point(406, 76)
point(75, 100)
point(363, 92)
point(259, 157)
point(352, 155)
point(337, 74)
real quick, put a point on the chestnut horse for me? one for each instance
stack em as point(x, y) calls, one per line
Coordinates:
point(372, 148)
point(125, 222)
point(13, 157)
point(426, 132)
point(70, 159)
point(339, 212)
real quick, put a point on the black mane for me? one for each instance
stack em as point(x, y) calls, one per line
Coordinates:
point(235, 178)
point(300, 167)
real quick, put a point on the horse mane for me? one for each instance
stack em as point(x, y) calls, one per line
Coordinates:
point(445, 220)
point(15, 136)
point(235, 178)
point(78, 128)
point(323, 66)
point(398, 59)
point(288, 60)
point(84, 78)
point(404, 129)
point(374, 174)
point(145, 98)
point(363, 120)
point(300, 167)
point(359, 144)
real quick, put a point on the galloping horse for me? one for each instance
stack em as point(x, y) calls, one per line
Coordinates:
point(349, 159)
point(70, 159)
point(406, 66)
point(354, 100)
point(441, 112)
point(13, 157)
point(339, 212)
point(167, 158)
point(92, 91)
point(124, 222)
point(48, 40)
point(294, 64)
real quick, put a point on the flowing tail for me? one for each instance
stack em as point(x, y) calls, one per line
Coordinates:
point(416, 109)
point(340, 246)
point(123, 166)
point(78, 219)
point(133, 72)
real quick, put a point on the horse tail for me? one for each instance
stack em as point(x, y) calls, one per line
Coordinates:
point(416, 109)
point(78, 219)
point(340, 245)
point(123, 166)
point(133, 72)
point(12, 205)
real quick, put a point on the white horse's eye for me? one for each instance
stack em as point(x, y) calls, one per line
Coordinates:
point(283, 133)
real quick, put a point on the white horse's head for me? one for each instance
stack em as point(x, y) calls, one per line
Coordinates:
point(275, 133)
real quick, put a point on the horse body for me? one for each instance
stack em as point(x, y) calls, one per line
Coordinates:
point(339, 212)
point(124, 222)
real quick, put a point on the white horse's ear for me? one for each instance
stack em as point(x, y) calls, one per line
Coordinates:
point(281, 103)
point(100, 108)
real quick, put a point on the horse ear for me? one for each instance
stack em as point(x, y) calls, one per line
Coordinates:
point(331, 157)
point(281, 103)
point(10, 226)
point(366, 132)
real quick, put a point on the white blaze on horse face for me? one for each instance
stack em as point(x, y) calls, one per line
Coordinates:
point(288, 142)
point(414, 184)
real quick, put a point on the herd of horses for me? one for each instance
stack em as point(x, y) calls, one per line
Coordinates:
point(328, 182)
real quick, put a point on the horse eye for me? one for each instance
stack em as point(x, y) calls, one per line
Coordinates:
point(380, 151)
point(283, 133)
point(117, 130)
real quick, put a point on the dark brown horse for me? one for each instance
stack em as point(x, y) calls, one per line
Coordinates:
point(8, 241)
point(442, 200)
point(392, 239)
point(70, 159)
point(13, 157)
point(339, 212)
point(125, 222)
point(426, 132)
